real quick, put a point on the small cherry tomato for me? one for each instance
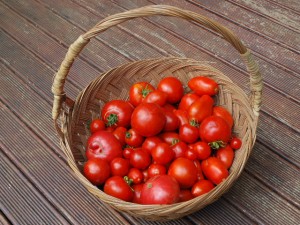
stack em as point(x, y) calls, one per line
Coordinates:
point(97, 125)
point(156, 169)
point(127, 152)
point(135, 175)
point(173, 87)
point(97, 171)
point(187, 100)
point(226, 155)
point(189, 133)
point(133, 138)
point(117, 187)
point(119, 167)
point(224, 113)
point(202, 149)
point(120, 133)
point(201, 108)
point(185, 195)
point(203, 86)
point(214, 170)
point(139, 91)
point(235, 143)
point(140, 159)
point(202, 187)
point(191, 154)
point(150, 143)
point(162, 153)
point(157, 97)
point(179, 149)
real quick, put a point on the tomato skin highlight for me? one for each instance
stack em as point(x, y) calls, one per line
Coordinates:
point(203, 86)
point(96, 170)
point(235, 143)
point(173, 87)
point(97, 125)
point(214, 170)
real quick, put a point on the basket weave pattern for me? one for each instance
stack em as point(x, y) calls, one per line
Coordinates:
point(115, 84)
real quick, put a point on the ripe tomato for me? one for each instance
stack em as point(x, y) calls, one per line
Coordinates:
point(137, 189)
point(226, 155)
point(182, 115)
point(235, 143)
point(120, 133)
point(139, 91)
point(97, 171)
point(148, 119)
point(150, 143)
point(117, 187)
point(214, 128)
point(170, 137)
point(172, 87)
point(146, 175)
point(117, 113)
point(157, 97)
point(135, 175)
point(156, 169)
point(161, 189)
point(104, 145)
point(133, 138)
point(191, 154)
point(127, 152)
point(185, 195)
point(188, 133)
point(140, 159)
point(119, 166)
point(162, 153)
point(200, 175)
point(201, 108)
point(224, 113)
point(202, 187)
point(203, 86)
point(187, 100)
point(97, 125)
point(172, 121)
point(214, 170)
point(202, 149)
point(179, 149)
point(184, 171)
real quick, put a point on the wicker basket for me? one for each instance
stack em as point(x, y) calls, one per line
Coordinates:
point(115, 83)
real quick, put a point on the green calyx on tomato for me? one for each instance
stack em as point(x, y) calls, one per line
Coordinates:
point(112, 119)
point(146, 91)
point(217, 144)
point(128, 135)
point(128, 181)
point(194, 123)
point(175, 141)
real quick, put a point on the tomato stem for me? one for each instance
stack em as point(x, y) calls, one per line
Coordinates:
point(217, 144)
point(112, 119)
point(146, 91)
point(194, 123)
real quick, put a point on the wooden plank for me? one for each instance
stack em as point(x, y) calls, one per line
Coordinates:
point(25, 204)
point(3, 219)
point(290, 4)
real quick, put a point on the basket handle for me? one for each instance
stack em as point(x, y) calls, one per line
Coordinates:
point(82, 41)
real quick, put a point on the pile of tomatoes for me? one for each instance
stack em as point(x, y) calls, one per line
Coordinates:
point(163, 145)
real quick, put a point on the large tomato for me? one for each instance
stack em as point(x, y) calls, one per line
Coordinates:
point(214, 170)
point(148, 119)
point(161, 189)
point(139, 91)
point(184, 171)
point(203, 86)
point(116, 186)
point(172, 87)
point(117, 113)
point(104, 145)
point(224, 113)
point(201, 108)
point(214, 129)
point(97, 171)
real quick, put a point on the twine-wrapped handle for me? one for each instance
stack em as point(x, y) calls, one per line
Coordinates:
point(79, 44)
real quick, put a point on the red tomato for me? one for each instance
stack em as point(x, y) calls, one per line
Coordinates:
point(117, 187)
point(157, 97)
point(97, 171)
point(156, 169)
point(139, 91)
point(182, 115)
point(202, 149)
point(135, 175)
point(97, 125)
point(226, 155)
point(200, 175)
point(133, 138)
point(172, 87)
point(235, 143)
point(184, 171)
point(104, 145)
point(169, 107)
point(120, 133)
point(140, 159)
point(224, 113)
point(191, 154)
point(213, 129)
point(127, 152)
point(169, 137)
point(137, 189)
point(185, 195)
point(117, 113)
point(161, 189)
point(202, 187)
point(150, 143)
point(187, 100)
point(119, 167)
point(146, 175)
point(201, 108)
point(203, 86)
point(188, 133)
point(179, 149)
point(172, 121)
point(148, 119)
point(214, 170)
point(162, 153)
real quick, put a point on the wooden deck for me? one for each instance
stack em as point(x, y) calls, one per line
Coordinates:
point(38, 187)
